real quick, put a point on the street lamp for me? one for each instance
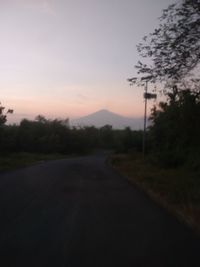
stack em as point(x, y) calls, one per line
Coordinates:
point(144, 81)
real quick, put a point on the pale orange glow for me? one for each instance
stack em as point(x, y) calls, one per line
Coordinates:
point(73, 102)
point(61, 64)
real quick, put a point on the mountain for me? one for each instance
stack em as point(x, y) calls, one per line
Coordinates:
point(103, 117)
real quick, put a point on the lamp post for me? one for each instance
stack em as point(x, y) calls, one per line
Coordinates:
point(145, 117)
point(147, 96)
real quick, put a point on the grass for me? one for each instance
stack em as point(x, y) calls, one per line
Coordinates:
point(17, 160)
point(176, 189)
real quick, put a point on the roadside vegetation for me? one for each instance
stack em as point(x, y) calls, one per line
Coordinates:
point(176, 189)
point(12, 161)
point(42, 139)
point(170, 171)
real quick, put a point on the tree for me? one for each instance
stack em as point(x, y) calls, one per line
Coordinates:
point(41, 119)
point(175, 127)
point(3, 114)
point(174, 47)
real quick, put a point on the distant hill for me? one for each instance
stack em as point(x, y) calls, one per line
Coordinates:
point(103, 117)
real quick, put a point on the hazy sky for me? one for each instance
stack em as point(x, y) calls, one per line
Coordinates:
point(68, 58)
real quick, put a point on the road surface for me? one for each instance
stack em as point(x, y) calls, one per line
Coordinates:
point(79, 212)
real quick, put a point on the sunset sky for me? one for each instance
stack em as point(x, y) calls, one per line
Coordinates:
point(69, 58)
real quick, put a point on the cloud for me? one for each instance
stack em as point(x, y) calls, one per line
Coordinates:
point(82, 97)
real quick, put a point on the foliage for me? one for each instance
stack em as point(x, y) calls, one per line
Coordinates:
point(177, 189)
point(174, 51)
point(55, 136)
point(13, 161)
point(3, 114)
point(175, 127)
point(174, 47)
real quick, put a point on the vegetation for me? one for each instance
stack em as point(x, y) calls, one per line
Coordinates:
point(13, 161)
point(177, 189)
point(3, 114)
point(174, 51)
point(171, 169)
point(174, 134)
point(173, 47)
point(52, 137)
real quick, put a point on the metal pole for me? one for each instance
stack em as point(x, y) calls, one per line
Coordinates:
point(145, 120)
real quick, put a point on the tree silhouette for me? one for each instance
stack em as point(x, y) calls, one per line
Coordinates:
point(175, 127)
point(3, 114)
point(174, 47)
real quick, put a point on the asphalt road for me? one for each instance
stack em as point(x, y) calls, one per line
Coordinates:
point(78, 212)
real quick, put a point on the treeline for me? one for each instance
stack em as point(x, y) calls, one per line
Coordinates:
point(55, 136)
point(174, 137)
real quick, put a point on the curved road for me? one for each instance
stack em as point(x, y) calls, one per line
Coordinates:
point(78, 212)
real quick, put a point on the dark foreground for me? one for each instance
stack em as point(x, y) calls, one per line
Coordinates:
point(78, 212)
